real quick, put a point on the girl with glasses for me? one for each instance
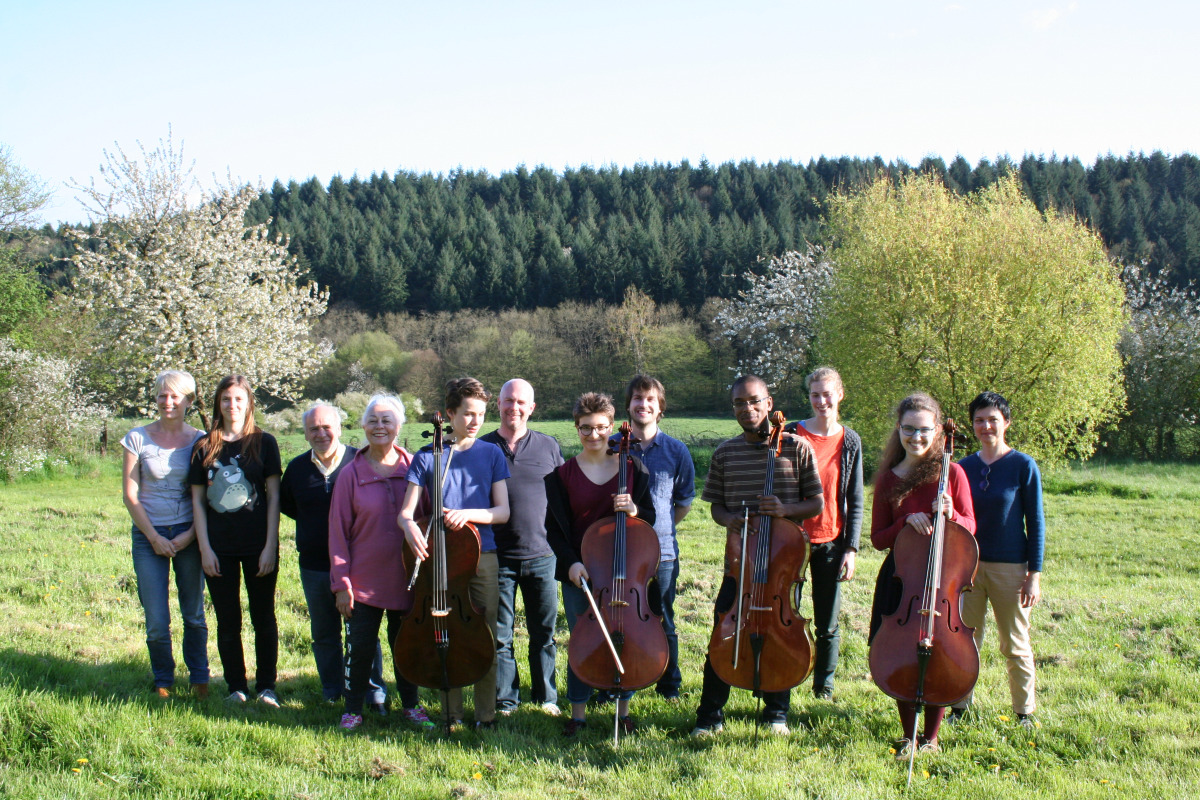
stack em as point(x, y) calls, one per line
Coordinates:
point(580, 492)
point(906, 495)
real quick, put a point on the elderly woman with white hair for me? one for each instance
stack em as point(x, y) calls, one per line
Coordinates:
point(154, 482)
point(366, 570)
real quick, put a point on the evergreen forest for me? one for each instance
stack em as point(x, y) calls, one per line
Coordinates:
point(534, 238)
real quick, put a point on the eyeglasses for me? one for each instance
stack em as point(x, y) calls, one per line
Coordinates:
point(587, 430)
point(909, 431)
point(753, 401)
point(984, 473)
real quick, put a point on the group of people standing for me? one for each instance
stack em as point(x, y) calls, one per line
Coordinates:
point(357, 511)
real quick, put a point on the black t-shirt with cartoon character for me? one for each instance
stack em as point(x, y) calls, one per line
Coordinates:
point(236, 495)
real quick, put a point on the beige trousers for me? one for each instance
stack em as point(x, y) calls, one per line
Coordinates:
point(1000, 584)
point(485, 593)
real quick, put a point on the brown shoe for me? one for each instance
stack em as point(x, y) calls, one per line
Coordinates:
point(162, 692)
point(200, 690)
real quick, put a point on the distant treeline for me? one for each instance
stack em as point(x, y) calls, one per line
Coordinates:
point(682, 233)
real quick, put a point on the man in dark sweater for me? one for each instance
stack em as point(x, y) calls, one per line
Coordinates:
point(305, 494)
point(525, 558)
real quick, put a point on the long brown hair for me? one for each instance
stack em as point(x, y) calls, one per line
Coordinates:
point(212, 443)
point(929, 467)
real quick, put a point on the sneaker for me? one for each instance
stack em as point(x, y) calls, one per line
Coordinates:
point(824, 694)
point(627, 725)
point(350, 721)
point(956, 716)
point(417, 716)
point(903, 749)
point(707, 731)
point(379, 708)
point(928, 746)
point(574, 726)
point(1027, 722)
point(777, 728)
point(551, 709)
point(236, 697)
point(507, 711)
point(267, 698)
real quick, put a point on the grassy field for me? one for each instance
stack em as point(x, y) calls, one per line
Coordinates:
point(1116, 640)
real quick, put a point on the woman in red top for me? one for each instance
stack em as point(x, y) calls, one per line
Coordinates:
point(906, 494)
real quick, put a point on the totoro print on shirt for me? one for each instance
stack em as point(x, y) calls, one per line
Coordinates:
point(228, 488)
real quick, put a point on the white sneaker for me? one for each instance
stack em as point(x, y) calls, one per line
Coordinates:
point(236, 697)
point(551, 709)
point(707, 731)
point(268, 698)
point(778, 728)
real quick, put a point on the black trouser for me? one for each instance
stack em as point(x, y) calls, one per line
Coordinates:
point(825, 564)
point(225, 592)
point(715, 695)
point(362, 638)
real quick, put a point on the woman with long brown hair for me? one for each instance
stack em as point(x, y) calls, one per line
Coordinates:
point(234, 477)
point(906, 487)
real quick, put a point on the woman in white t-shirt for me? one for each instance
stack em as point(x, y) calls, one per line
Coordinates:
point(154, 480)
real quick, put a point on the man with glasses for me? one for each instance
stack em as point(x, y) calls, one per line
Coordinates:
point(305, 494)
point(524, 556)
point(735, 481)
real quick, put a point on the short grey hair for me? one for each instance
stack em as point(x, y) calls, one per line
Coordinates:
point(388, 400)
point(321, 404)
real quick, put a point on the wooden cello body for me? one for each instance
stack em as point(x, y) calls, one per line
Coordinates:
point(760, 642)
point(923, 653)
point(444, 641)
point(621, 554)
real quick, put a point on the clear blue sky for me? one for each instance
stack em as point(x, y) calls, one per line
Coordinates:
point(268, 90)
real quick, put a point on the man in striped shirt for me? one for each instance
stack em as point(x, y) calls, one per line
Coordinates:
point(735, 481)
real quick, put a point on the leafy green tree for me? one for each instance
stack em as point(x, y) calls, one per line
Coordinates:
point(952, 295)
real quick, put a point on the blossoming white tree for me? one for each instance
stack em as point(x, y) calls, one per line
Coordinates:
point(178, 283)
point(772, 323)
point(1161, 349)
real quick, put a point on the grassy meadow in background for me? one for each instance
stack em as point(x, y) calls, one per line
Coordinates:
point(1115, 638)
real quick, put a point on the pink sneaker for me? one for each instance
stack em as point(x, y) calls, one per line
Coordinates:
point(417, 716)
point(350, 721)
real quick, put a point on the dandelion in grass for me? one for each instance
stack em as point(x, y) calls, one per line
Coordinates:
point(1003, 718)
point(81, 761)
point(478, 776)
point(924, 773)
point(76, 770)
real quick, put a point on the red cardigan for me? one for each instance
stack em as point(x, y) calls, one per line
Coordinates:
point(888, 519)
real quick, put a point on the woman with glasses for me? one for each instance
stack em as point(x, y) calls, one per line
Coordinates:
point(1006, 488)
point(580, 492)
point(906, 495)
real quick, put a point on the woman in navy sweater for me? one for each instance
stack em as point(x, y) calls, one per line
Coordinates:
point(1006, 488)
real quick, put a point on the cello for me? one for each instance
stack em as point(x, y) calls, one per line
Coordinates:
point(620, 643)
point(444, 641)
point(923, 653)
point(760, 642)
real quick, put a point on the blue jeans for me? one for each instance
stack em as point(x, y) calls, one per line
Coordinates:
point(154, 584)
point(575, 603)
point(539, 595)
point(671, 680)
point(325, 625)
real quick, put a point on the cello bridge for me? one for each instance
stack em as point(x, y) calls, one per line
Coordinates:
point(761, 608)
point(441, 612)
point(925, 612)
point(618, 604)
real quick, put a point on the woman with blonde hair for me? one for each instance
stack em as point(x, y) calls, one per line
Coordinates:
point(234, 475)
point(154, 484)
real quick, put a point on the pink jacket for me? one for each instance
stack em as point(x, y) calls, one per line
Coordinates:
point(365, 540)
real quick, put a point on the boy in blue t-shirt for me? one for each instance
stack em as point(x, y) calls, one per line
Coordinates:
point(473, 491)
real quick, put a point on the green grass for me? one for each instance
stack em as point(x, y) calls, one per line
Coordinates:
point(1116, 641)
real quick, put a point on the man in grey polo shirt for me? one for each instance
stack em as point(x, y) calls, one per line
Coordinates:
point(525, 559)
point(672, 488)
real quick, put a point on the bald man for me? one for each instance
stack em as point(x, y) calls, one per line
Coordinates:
point(525, 559)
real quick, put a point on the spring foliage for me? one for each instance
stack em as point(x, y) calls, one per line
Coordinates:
point(182, 285)
point(954, 295)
